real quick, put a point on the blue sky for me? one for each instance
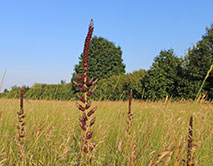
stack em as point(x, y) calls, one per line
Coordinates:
point(41, 40)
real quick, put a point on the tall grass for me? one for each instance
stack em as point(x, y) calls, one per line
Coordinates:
point(160, 132)
point(201, 87)
point(2, 80)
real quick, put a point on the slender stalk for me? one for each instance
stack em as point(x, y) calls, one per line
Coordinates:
point(190, 135)
point(3, 79)
point(21, 128)
point(84, 85)
point(201, 87)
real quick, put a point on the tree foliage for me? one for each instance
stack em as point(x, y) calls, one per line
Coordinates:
point(196, 65)
point(105, 59)
point(161, 79)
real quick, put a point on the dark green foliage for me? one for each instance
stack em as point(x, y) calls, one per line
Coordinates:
point(42, 91)
point(105, 59)
point(196, 65)
point(161, 79)
point(50, 92)
point(118, 87)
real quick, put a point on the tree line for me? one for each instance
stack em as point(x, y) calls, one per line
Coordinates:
point(169, 75)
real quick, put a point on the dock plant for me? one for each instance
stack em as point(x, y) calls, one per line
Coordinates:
point(87, 87)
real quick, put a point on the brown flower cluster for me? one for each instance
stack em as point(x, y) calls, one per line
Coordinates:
point(85, 84)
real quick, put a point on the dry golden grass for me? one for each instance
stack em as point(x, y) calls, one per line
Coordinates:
point(159, 133)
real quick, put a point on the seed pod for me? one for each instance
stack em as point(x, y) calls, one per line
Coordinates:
point(80, 77)
point(92, 111)
point(81, 98)
point(85, 149)
point(83, 126)
point(83, 89)
point(89, 134)
point(88, 105)
point(80, 84)
point(92, 121)
point(82, 121)
point(84, 116)
point(23, 116)
point(91, 147)
point(19, 113)
point(89, 82)
point(21, 135)
point(80, 107)
point(92, 91)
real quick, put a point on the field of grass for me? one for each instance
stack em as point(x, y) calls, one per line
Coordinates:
point(158, 134)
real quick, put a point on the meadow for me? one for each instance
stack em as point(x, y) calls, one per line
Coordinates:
point(158, 133)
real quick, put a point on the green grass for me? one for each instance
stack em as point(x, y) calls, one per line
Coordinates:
point(53, 133)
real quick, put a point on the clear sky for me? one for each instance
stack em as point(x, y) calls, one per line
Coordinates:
point(41, 40)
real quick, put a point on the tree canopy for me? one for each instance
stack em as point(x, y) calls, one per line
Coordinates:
point(105, 59)
point(161, 79)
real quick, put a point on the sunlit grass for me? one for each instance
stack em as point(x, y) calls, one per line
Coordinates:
point(53, 132)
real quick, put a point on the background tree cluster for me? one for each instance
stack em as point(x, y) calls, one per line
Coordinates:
point(169, 75)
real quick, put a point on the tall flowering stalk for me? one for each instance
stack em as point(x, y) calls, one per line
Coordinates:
point(20, 127)
point(85, 84)
point(190, 138)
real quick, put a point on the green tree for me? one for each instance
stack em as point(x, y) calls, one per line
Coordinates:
point(196, 65)
point(117, 87)
point(105, 59)
point(161, 79)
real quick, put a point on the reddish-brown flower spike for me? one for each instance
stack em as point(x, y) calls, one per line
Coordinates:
point(130, 102)
point(80, 107)
point(89, 135)
point(86, 48)
point(92, 121)
point(21, 99)
point(92, 111)
point(92, 91)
